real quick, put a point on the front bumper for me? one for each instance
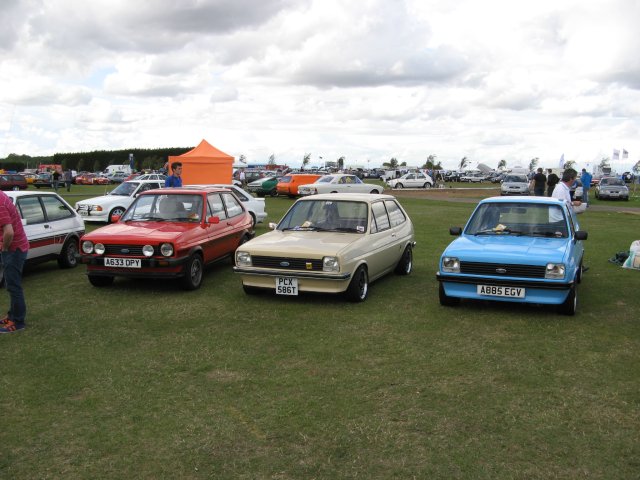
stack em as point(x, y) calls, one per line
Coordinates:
point(150, 267)
point(541, 291)
point(307, 281)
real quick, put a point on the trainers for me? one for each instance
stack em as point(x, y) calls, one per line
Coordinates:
point(4, 320)
point(10, 327)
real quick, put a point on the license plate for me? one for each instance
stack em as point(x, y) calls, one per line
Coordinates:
point(496, 291)
point(286, 286)
point(122, 262)
point(83, 212)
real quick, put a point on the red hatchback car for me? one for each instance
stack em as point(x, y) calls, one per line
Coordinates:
point(168, 233)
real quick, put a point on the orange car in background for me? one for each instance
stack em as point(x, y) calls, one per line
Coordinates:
point(288, 185)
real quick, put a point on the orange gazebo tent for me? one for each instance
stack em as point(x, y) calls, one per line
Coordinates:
point(204, 164)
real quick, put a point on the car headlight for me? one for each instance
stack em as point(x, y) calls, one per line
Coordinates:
point(95, 208)
point(451, 264)
point(166, 249)
point(147, 251)
point(87, 246)
point(243, 259)
point(554, 270)
point(99, 248)
point(330, 264)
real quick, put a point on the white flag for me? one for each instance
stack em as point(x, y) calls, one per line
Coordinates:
point(616, 154)
point(625, 154)
point(562, 161)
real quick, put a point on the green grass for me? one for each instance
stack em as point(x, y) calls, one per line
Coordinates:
point(143, 380)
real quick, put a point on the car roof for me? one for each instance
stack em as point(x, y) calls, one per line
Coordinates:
point(525, 199)
point(360, 197)
point(186, 190)
point(23, 193)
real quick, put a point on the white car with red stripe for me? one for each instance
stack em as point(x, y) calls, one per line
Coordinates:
point(52, 226)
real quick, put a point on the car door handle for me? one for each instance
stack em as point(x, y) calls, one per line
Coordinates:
point(47, 226)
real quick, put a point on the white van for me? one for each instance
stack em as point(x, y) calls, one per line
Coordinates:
point(111, 169)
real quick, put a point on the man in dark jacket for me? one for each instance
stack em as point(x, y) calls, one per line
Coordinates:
point(552, 181)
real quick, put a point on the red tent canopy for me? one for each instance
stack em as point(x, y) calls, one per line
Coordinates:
point(204, 164)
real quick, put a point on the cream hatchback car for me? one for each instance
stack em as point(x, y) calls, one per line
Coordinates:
point(330, 243)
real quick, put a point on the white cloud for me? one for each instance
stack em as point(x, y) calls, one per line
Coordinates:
point(368, 80)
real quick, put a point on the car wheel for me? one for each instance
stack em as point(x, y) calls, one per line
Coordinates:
point(446, 300)
point(116, 211)
point(374, 192)
point(67, 257)
point(571, 303)
point(427, 185)
point(273, 193)
point(193, 271)
point(100, 281)
point(399, 185)
point(579, 273)
point(253, 219)
point(405, 265)
point(359, 286)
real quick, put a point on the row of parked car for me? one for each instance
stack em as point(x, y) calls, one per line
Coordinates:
point(527, 249)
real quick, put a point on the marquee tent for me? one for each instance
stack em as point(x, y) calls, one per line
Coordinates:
point(204, 164)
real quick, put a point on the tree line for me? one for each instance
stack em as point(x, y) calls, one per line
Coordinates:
point(98, 160)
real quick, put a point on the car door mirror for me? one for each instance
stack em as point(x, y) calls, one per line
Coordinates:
point(581, 235)
point(213, 220)
point(455, 231)
point(272, 225)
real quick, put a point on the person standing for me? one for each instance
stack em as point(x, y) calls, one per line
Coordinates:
point(585, 178)
point(55, 178)
point(175, 180)
point(539, 182)
point(552, 181)
point(67, 179)
point(243, 178)
point(15, 246)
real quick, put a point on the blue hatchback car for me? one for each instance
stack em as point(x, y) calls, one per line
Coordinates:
point(527, 250)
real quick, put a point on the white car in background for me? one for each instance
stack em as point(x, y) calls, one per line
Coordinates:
point(255, 206)
point(338, 183)
point(412, 180)
point(116, 202)
point(53, 228)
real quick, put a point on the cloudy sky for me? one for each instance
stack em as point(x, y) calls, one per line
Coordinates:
point(366, 79)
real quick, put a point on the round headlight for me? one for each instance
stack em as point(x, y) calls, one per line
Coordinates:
point(87, 246)
point(147, 251)
point(166, 249)
point(99, 248)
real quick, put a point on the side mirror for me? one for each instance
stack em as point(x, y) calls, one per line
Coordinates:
point(272, 226)
point(213, 220)
point(455, 231)
point(581, 235)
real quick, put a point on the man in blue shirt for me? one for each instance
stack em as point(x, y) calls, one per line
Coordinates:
point(174, 180)
point(585, 178)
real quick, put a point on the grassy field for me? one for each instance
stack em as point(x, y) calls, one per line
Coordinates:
point(144, 380)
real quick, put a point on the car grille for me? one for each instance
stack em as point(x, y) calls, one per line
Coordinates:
point(124, 250)
point(503, 270)
point(286, 263)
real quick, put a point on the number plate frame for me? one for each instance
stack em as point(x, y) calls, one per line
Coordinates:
point(286, 286)
point(116, 262)
point(500, 291)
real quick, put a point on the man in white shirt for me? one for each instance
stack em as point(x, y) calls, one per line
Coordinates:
point(562, 191)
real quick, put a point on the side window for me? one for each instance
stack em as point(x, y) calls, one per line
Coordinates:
point(55, 209)
point(31, 210)
point(380, 217)
point(233, 205)
point(396, 217)
point(216, 206)
point(240, 195)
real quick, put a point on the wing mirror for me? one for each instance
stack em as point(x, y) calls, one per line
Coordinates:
point(213, 220)
point(581, 235)
point(273, 226)
point(455, 231)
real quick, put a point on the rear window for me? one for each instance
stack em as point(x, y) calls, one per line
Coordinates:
point(285, 179)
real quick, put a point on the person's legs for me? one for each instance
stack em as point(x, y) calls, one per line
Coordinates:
point(585, 195)
point(13, 263)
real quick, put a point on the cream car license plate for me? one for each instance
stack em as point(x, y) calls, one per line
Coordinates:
point(122, 262)
point(84, 213)
point(286, 286)
point(496, 291)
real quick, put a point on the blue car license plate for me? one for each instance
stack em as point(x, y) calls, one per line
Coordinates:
point(498, 291)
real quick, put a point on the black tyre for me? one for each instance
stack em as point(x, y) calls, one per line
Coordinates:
point(193, 271)
point(405, 265)
point(399, 185)
point(427, 185)
point(67, 257)
point(570, 305)
point(117, 211)
point(374, 191)
point(99, 281)
point(446, 300)
point(253, 219)
point(273, 193)
point(359, 286)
